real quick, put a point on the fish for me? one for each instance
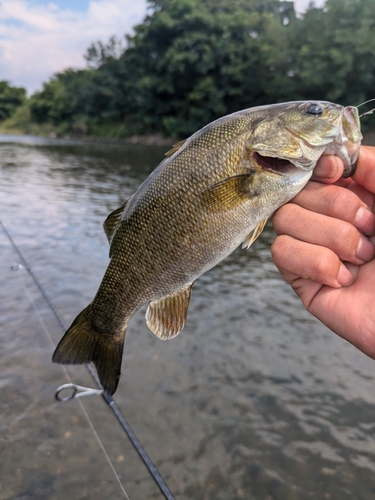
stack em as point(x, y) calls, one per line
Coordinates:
point(212, 192)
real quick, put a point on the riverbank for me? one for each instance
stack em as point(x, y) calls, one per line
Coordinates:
point(145, 140)
point(20, 124)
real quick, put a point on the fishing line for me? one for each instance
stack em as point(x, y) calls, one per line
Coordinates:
point(80, 402)
point(366, 102)
point(108, 399)
point(368, 112)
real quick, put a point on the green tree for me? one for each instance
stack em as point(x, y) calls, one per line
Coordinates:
point(10, 99)
point(65, 101)
point(333, 51)
point(191, 61)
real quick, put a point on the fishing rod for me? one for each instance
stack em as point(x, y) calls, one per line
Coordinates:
point(79, 391)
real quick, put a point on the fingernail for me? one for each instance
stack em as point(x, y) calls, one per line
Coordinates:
point(365, 249)
point(365, 221)
point(327, 168)
point(344, 277)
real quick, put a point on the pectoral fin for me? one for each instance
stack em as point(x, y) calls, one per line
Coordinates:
point(113, 221)
point(254, 234)
point(228, 194)
point(166, 317)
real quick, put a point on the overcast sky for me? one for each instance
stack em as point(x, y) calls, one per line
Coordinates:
point(41, 37)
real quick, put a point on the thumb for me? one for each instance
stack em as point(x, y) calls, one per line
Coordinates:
point(328, 170)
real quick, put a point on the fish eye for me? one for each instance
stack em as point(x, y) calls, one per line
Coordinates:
point(314, 109)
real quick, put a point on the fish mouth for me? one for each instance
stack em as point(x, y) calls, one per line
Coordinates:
point(275, 165)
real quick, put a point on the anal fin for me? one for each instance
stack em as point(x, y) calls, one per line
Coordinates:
point(166, 317)
point(255, 233)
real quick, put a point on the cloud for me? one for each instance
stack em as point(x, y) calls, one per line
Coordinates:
point(302, 5)
point(39, 40)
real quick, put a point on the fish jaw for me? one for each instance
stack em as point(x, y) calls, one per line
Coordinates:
point(293, 135)
point(347, 149)
point(278, 181)
point(280, 166)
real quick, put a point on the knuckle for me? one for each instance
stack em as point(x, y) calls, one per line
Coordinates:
point(343, 204)
point(278, 249)
point(344, 240)
point(350, 239)
point(326, 265)
point(283, 217)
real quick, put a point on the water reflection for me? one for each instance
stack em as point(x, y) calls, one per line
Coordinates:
point(255, 399)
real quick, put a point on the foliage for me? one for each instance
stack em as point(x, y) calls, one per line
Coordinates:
point(10, 99)
point(339, 64)
point(191, 61)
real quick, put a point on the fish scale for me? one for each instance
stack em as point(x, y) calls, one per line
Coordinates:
point(213, 192)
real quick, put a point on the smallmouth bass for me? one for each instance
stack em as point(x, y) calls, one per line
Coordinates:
point(211, 193)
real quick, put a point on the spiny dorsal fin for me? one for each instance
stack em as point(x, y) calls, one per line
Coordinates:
point(166, 317)
point(255, 233)
point(175, 148)
point(227, 194)
point(113, 221)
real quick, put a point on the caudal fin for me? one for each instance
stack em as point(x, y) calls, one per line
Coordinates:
point(82, 344)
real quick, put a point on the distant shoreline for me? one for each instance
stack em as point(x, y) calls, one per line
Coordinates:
point(143, 140)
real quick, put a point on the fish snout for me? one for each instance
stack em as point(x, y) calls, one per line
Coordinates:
point(351, 130)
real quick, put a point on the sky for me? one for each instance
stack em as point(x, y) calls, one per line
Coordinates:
point(39, 37)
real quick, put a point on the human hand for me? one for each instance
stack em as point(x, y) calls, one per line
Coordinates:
point(325, 248)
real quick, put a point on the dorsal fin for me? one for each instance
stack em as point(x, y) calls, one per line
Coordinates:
point(175, 148)
point(255, 233)
point(113, 221)
point(166, 317)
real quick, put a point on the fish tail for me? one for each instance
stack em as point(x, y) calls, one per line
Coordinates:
point(82, 344)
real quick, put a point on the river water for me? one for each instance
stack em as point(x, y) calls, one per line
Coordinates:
point(255, 399)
